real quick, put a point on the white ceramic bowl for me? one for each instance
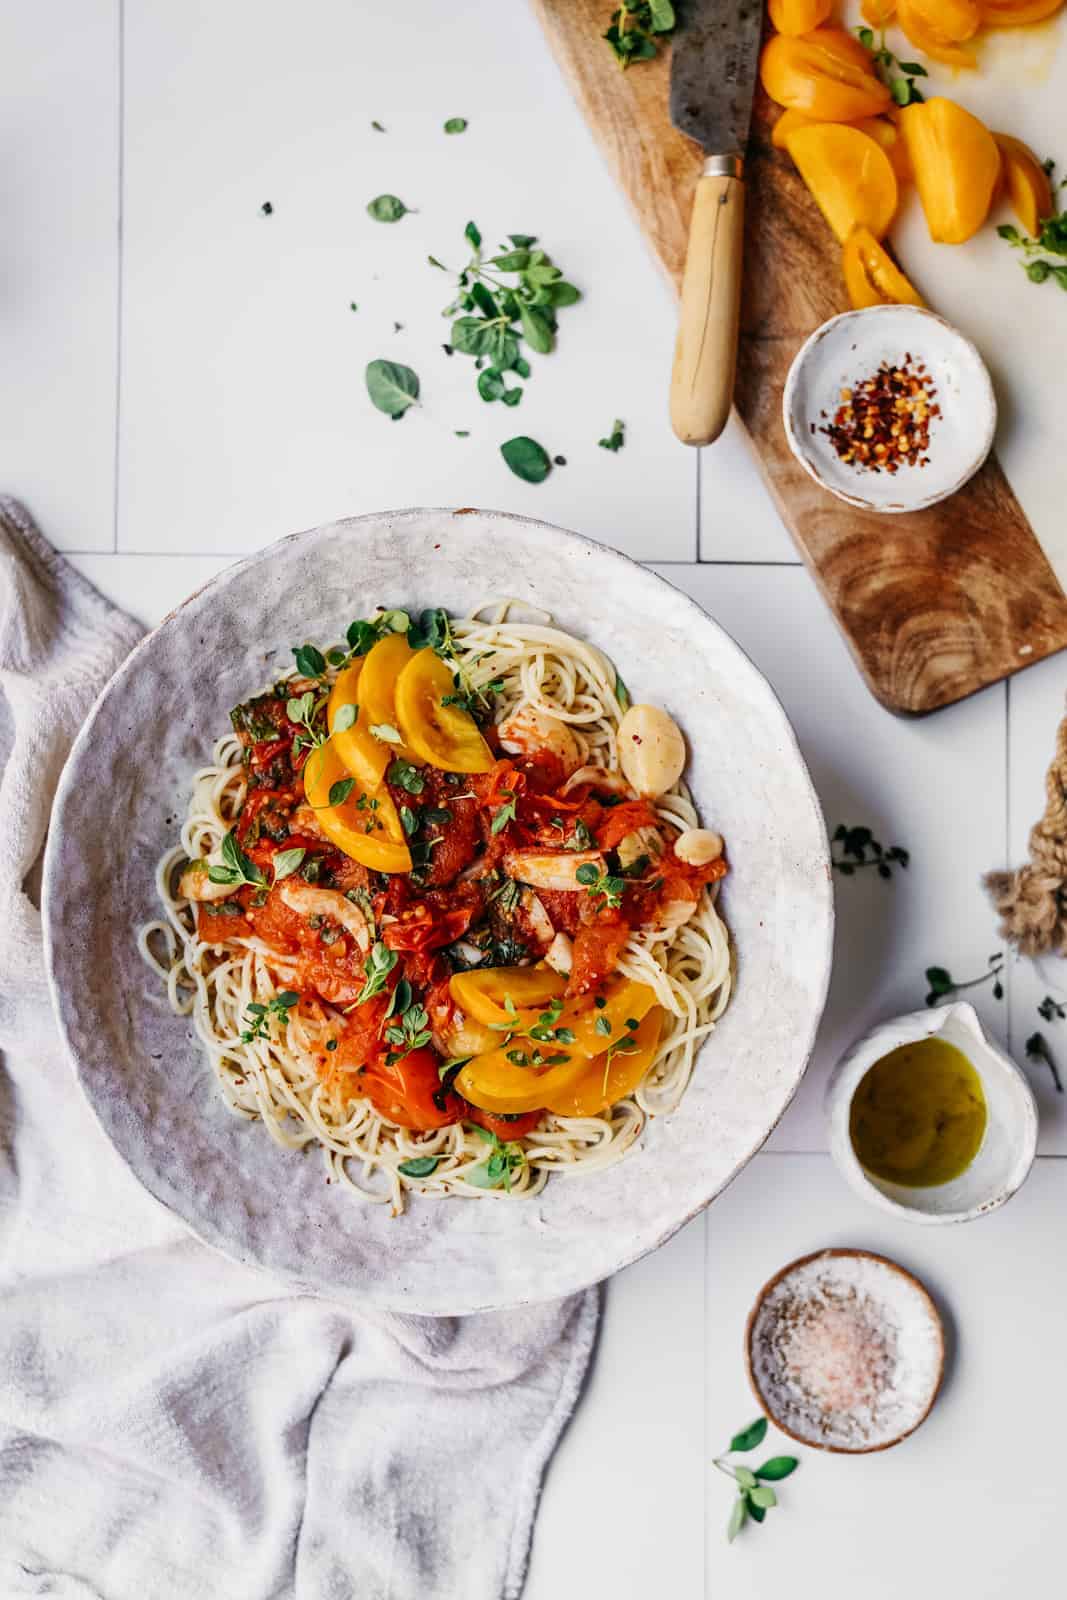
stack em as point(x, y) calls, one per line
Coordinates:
point(852, 347)
point(143, 1069)
point(1008, 1147)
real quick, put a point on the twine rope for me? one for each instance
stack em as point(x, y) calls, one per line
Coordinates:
point(1032, 900)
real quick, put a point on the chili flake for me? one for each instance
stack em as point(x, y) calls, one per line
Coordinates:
point(883, 422)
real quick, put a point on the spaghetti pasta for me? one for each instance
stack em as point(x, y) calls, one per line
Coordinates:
point(279, 1071)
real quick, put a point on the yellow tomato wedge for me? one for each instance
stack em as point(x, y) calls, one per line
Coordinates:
point(607, 1080)
point(849, 174)
point(788, 123)
point(378, 684)
point(798, 16)
point(444, 735)
point(369, 832)
point(366, 757)
point(590, 1028)
point(956, 164)
point(827, 75)
point(872, 278)
point(483, 994)
point(1026, 182)
point(508, 1080)
point(931, 40)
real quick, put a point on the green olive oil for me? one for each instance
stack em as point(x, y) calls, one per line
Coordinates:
point(919, 1115)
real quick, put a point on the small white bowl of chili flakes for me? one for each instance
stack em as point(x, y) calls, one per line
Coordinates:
point(890, 408)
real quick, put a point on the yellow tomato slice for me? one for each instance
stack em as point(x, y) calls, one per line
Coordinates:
point(483, 994)
point(871, 277)
point(849, 174)
point(604, 1081)
point(1026, 182)
point(956, 164)
point(595, 1027)
point(444, 735)
point(507, 1081)
point(1016, 13)
point(364, 825)
point(382, 667)
point(366, 757)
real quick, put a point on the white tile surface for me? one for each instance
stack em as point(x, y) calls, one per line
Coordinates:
point(59, 210)
point(244, 409)
point(149, 587)
point(934, 785)
point(623, 1509)
point(738, 520)
point(970, 1505)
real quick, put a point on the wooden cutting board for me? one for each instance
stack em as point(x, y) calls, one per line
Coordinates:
point(934, 604)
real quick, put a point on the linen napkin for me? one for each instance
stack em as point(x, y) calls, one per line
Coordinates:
point(174, 1426)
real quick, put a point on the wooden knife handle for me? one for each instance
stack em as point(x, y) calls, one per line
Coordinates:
point(705, 355)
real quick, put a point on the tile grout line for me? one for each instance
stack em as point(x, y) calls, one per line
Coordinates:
point(699, 505)
point(118, 283)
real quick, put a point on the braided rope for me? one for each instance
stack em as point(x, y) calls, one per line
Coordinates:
point(1032, 900)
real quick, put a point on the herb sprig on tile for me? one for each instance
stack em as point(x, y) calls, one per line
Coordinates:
point(636, 30)
point(505, 301)
point(859, 848)
point(942, 985)
point(1037, 1049)
point(755, 1497)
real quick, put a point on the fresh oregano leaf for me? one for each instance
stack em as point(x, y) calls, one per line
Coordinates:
point(527, 459)
point(340, 791)
point(454, 125)
point(286, 862)
point(776, 1468)
point(392, 387)
point(738, 1517)
point(751, 1436)
point(763, 1496)
point(419, 1166)
point(387, 208)
point(345, 718)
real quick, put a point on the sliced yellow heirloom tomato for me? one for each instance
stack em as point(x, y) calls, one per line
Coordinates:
point(889, 136)
point(605, 1081)
point(850, 176)
point(446, 736)
point(1016, 13)
point(507, 1081)
point(930, 40)
point(878, 12)
point(1025, 181)
point(956, 164)
point(382, 666)
point(950, 20)
point(826, 74)
point(798, 16)
point(871, 277)
point(366, 757)
point(595, 1027)
point(483, 994)
point(382, 848)
point(788, 123)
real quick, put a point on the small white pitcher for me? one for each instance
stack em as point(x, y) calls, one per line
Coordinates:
point(1008, 1146)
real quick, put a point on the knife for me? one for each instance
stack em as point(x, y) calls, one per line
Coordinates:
point(713, 77)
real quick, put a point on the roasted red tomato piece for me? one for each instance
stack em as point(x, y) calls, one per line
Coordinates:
point(408, 1091)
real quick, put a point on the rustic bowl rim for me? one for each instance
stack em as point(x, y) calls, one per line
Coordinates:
point(853, 1252)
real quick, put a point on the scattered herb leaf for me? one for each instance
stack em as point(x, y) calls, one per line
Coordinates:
point(755, 1497)
point(941, 982)
point(859, 848)
point(419, 1166)
point(526, 458)
point(1037, 1049)
point(392, 387)
point(387, 207)
point(615, 439)
point(634, 29)
point(456, 125)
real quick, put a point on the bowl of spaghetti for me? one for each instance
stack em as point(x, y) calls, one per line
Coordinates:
point(463, 921)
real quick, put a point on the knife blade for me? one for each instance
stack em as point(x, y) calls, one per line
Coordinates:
point(715, 54)
point(713, 79)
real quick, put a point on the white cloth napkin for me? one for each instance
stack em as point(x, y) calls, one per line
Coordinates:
point(174, 1426)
